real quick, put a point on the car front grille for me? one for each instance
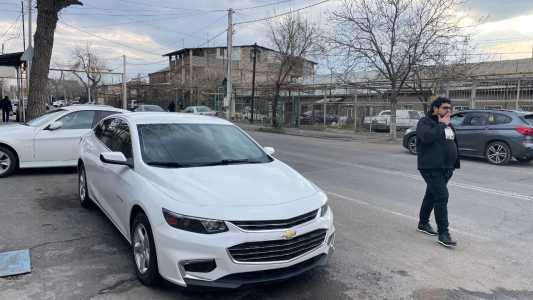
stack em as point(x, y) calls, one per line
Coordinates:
point(278, 250)
point(276, 224)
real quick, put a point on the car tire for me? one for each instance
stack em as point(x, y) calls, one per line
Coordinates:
point(411, 144)
point(143, 249)
point(498, 153)
point(83, 191)
point(8, 162)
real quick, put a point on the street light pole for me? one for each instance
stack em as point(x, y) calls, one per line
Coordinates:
point(253, 82)
point(231, 113)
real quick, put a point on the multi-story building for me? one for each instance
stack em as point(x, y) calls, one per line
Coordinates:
point(197, 74)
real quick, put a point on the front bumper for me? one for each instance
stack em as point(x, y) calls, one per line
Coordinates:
point(175, 248)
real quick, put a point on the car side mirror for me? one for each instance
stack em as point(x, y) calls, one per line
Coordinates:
point(269, 150)
point(55, 125)
point(115, 158)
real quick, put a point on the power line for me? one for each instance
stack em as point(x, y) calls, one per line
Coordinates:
point(106, 39)
point(282, 14)
point(263, 5)
point(212, 39)
point(11, 27)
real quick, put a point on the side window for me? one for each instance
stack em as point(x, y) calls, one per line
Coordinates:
point(476, 119)
point(115, 134)
point(499, 119)
point(104, 132)
point(122, 139)
point(385, 113)
point(457, 119)
point(78, 120)
point(101, 114)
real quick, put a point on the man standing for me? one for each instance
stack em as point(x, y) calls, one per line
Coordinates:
point(5, 105)
point(437, 152)
point(171, 106)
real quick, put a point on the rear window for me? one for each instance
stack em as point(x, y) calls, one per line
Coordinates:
point(499, 119)
point(529, 119)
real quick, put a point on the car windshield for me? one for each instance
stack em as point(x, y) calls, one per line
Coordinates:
point(194, 145)
point(45, 118)
point(203, 109)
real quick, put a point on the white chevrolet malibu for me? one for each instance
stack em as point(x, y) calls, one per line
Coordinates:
point(201, 202)
point(50, 140)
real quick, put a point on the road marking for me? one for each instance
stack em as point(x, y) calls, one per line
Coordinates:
point(419, 178)
point(399, 214)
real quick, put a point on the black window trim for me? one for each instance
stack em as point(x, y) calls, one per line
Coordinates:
point(131, 135)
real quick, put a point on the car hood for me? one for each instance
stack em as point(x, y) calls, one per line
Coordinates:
point(16, 130)
point(243, 185)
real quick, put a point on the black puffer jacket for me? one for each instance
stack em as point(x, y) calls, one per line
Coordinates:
point(430, 144)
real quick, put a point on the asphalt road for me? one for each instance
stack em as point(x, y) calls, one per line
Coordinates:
point(375, 193)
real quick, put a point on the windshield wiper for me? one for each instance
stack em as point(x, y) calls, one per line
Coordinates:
point(167, 164)
point(232, 162)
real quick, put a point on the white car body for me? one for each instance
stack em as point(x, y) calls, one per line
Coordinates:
point(37, 147)
point(404, 119)
point(200, 110)
point(231, 193)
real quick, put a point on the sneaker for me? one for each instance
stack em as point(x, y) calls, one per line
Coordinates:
point(446, 240)
point(427, 229)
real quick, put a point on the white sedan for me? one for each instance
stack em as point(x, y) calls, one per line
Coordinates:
point(50, 140)
point(201, 202)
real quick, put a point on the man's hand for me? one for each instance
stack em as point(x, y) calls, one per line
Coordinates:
point(445, 120)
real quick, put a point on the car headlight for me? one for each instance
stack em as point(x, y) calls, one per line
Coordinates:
point(324, 210)
point(193, 224)
point(409, 130)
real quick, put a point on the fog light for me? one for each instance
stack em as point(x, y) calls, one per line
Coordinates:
point(200, 266)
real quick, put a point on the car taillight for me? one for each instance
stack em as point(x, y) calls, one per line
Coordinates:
point(527, 131)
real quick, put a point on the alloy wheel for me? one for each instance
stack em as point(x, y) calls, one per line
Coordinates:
point(5, 162)
point(497, 153)
point(411, 144)
point(141, 248)
point(83, 190)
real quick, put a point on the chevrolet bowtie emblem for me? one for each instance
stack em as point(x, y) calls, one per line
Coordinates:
point(288, 234)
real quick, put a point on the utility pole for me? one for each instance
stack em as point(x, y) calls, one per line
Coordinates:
point(253, 82)
point(30, 32)
point(355, 111)
point(229, 89)
point(124, 88)
point(23, 27)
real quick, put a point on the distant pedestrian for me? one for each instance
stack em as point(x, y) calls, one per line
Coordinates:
point(6, 106)
point(437, 151)
point(171, 107)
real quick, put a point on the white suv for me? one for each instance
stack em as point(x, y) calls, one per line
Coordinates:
point(201, 202)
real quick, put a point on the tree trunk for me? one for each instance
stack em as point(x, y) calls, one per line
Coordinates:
point(275, 106)
point(43, 43)
point(393, 105)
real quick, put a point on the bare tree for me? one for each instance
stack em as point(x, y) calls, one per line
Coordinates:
point(393, 36)
point(47, 17)
point(432, 76)
point(293, 38)
point(92, 67)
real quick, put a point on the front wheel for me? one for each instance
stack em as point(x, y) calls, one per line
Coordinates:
point(83, 192)
point(143, 248)
point(8, 162)
point(411, 144)
point(498, 153)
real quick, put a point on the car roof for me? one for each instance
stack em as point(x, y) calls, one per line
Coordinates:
point(493, 110)
point(171, 118)
point(91, 107)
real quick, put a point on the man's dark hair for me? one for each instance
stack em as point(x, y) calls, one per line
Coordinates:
point(439, 101)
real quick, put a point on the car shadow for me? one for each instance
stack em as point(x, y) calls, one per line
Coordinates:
point(45, 171)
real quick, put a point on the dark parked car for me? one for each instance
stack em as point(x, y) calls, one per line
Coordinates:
point(497, 135)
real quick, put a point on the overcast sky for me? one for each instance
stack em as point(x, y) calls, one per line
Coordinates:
point(146, 29)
